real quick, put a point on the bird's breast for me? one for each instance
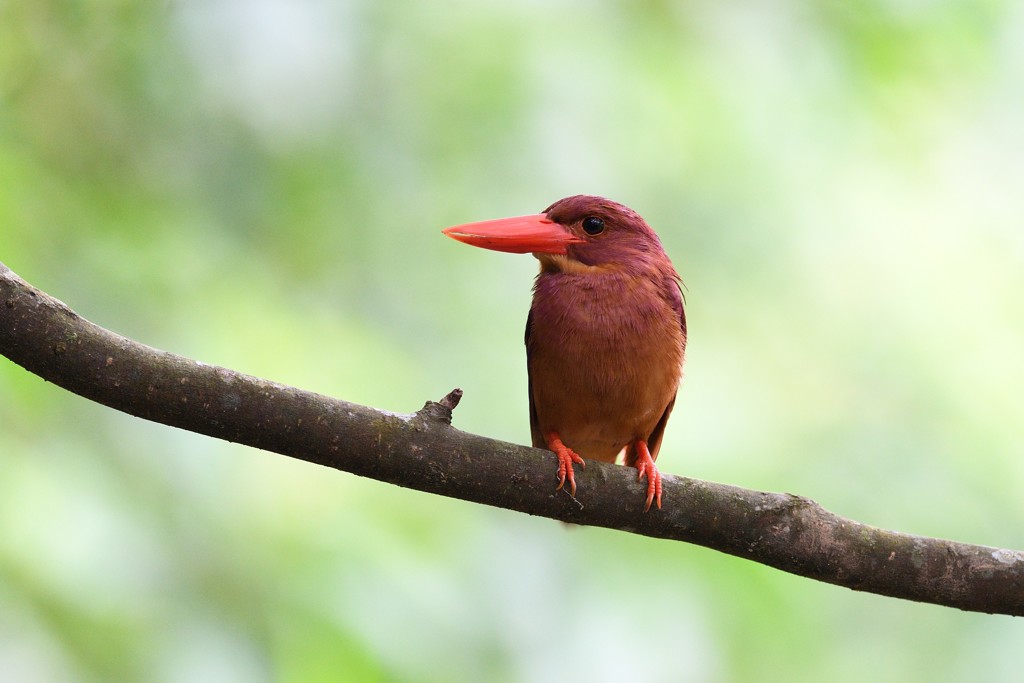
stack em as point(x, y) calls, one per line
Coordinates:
point(605, 356)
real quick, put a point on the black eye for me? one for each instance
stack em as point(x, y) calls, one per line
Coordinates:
point(592, 225)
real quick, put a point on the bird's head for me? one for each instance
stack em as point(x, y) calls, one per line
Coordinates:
point(576, 234)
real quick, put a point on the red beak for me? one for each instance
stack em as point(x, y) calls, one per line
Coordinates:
point(535, 233)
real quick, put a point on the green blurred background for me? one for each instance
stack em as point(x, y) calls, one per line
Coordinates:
point(261, 184)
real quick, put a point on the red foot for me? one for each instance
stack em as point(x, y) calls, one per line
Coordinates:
point(566, 457)
point(645, 467)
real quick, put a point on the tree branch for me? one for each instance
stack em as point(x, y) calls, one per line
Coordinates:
point(423, 451)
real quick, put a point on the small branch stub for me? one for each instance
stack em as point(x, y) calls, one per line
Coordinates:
point(451, 399)
point(441, 411)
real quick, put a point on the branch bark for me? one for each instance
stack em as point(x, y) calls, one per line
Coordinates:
point(423, 451)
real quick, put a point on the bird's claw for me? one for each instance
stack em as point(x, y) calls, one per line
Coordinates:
point(566, 457)
point(646, 468)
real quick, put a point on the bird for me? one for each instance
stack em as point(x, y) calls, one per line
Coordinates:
point(605, 335)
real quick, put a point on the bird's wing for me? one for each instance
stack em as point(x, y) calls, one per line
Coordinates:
point(654, 440)
point(538, 438)
point(678, 301)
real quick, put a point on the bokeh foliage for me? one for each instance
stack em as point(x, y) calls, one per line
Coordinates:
point(261, 185)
